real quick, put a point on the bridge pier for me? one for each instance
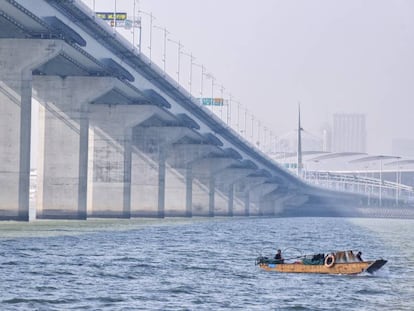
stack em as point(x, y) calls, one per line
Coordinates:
point(63, 143)
point(15, 120)
point(111, 167)
point(155, 142)
point(228, 178)
point(259, 192)
point(182, 156)
point(206, 170)
point(247, 186)
point(247, 203)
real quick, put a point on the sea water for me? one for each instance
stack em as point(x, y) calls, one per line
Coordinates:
point(200, 264)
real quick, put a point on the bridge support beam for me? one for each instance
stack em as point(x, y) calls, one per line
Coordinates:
point(63, 143)
point(230, 200)
point(227, 179)
point(15, 120)
point(154, 144)
point(189, 178)
point(259, 194)
point(247, 187)
point(247, 203)
point(211, 196)
point(111, 172)
point(205, 171)
point(182, 156)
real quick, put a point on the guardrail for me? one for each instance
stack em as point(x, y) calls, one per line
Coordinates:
point(360, 184)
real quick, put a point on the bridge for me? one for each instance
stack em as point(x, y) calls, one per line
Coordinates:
point(384, 181)
point(117, 136)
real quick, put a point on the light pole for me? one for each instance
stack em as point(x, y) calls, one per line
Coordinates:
point(221, 104)
point(114, 19)
point(136, 21)
point(259, 134)
point(203, 69)
point(209, 75)
point(133, 23)
point(150, 33)
point(252, 137)
point(245, 123)
point(165, 44)
point(178, 57)
point(238, 116)
point(190, 80)
point(229, 111)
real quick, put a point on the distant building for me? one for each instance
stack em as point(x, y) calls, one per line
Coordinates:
point(403, 147)
point(349, 133)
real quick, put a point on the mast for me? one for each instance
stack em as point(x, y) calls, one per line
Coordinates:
point(299, 158)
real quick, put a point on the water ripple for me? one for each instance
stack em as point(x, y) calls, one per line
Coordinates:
point(200, 265)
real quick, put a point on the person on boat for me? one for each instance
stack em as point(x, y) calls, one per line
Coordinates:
point(358, 256)
point(279, 257)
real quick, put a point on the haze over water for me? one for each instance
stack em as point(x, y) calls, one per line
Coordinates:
point(199, 264)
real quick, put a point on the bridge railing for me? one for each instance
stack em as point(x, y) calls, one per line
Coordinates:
point(360, 184)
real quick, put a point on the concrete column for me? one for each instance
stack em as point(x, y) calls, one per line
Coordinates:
point(211, 192)
point(112, 131)
point(15, 120)
point(204, 171)
point(189, 191)
point(161, 183)
point(231, 199)
point(251, 183)
point(126, 212)
point(63, 143)
point(144, 185)
point(247, 203)
point(258, 193)
point(181, 157)
point(225, 180)
point(162, 179)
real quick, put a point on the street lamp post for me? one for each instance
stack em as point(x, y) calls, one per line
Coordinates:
point(178, 58)
point(165, 44)
point(114, 19)
point(238, 116)
point(203, 69)
point(259, 127)
point(150, 33)
point(245, 123)
point(190, 80)
point(212, 89)
point(229, 112)
point(221, 106)
point(136, 21)
point(252, 136)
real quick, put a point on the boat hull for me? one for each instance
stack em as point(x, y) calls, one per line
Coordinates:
point(337, 268)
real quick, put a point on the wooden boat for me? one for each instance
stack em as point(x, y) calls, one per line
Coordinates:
point(343, 262)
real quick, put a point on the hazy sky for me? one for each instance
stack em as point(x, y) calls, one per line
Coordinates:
point(331, 56)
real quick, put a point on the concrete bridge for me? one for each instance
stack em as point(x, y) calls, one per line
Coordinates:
point(117, 137)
